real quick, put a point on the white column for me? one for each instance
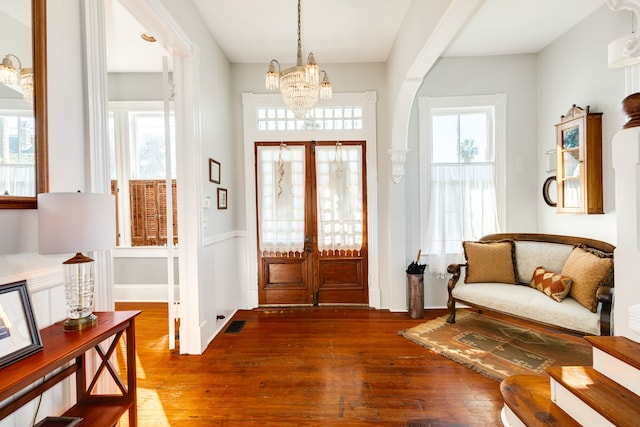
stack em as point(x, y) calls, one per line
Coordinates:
point(97, 135)
point(626, 162)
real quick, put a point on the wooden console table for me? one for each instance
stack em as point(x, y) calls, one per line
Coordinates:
point(67, 350)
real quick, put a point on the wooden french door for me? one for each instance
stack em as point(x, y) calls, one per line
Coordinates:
point(312, 223)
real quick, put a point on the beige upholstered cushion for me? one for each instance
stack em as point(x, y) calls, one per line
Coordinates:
point(490, 262)
point(589, 270)
point(532, 254)
point(552, 284)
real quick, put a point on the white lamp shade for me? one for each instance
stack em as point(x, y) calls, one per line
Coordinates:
point(75, 222)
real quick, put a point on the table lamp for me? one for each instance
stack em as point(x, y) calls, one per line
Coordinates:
point(76, 223)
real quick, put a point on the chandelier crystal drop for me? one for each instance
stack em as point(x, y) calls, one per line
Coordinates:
point(300, 85)
point(8, 72)
point(17, 78)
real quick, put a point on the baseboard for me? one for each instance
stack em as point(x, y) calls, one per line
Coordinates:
point(142, 293)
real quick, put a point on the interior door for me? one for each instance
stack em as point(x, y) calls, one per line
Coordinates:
point(312, 216)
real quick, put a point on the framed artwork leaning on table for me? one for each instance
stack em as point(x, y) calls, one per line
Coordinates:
point(19, 334)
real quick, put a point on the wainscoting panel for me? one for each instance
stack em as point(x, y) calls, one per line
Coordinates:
point(224, 279)
point(46, 292)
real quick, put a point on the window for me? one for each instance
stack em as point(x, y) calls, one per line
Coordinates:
point(462, 165)
point(137, 147)
point(17, 153)
point(321, 118)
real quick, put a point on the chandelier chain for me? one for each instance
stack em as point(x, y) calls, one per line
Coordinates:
point(299, 35)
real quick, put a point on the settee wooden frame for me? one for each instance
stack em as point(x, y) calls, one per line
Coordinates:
point(604, 294)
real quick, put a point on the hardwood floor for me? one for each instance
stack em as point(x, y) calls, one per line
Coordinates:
point(307, 367)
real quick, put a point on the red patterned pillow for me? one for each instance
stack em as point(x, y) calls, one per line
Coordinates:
point(553, 285)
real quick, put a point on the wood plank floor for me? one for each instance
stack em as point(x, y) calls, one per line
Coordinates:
point(307, 367)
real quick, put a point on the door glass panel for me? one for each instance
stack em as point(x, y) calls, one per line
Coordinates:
point(571, 164)
point(571, 167)
point(281, 198)
point(571, 193)
point(571, 138)
point(339, 190)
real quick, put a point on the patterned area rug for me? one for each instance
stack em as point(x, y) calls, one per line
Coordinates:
point(495, 348)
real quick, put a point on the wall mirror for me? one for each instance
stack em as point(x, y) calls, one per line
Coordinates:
point(23, 103)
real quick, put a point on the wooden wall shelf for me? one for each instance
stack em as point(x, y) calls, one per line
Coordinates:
point(68, 350)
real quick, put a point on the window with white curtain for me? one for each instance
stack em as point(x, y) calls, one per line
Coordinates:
point(281, 198)
point(462, 174)
point(17, 153)
point(339, 194)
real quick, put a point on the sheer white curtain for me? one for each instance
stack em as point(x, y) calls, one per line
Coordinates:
point(339, 197)
point(462, 207)
point(281, 195)
point(17, 180)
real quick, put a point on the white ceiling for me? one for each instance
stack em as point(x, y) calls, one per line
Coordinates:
point(126, 51)
point(505, 27)
point(336, 31)
point(339, 31)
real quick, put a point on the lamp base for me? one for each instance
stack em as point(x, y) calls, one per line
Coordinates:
point(72, 325)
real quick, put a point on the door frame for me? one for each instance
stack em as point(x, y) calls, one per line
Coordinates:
point(368, 102)
point(186, 77)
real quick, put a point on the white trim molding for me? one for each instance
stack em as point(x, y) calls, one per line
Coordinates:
point(632, 46)
point(398, 159)
point(453, 19)
point(97, 177)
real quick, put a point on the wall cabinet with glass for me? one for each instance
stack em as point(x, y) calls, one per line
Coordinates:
point(579, 162)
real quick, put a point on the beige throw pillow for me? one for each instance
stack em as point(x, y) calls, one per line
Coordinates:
point(589, 270)
point(490, 262)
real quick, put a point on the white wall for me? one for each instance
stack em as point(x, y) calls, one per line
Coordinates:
point(573, 70)
point(135, 86)
point(514, 75)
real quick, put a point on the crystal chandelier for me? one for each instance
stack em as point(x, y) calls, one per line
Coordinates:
point(300, 85)
point(19, 79)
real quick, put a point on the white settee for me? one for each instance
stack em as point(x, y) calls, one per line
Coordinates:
point(525, 302)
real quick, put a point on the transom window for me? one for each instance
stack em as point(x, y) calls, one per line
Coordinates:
point(322, 118)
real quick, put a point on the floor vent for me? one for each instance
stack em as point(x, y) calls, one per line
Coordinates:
point(235, 327)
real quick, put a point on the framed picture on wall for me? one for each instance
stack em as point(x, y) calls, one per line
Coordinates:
point(222, 198)
point(214, 171)
point(19, 335)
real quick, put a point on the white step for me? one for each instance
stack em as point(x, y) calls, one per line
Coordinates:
point(591, 398)
point(576, 408)
point(618, 359)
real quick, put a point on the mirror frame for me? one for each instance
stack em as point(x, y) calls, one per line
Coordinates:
point(39, 48)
